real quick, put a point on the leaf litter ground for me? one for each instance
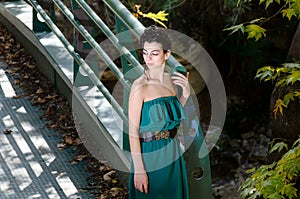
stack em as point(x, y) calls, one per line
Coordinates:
point(105, 182)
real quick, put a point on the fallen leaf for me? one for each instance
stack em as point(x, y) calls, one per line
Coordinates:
point(103, 196)
point(50, 96)
point(74, 162)
point(114, 191)
point(31, 66)
point(50, 110)
point(15, 69)
point(68, 139)
point(62, 117)
point(17, 96)
point(39, 91)
point(40, 101)
point(53, 126)
point(26, 76)
point(107, 177)
point(79, 158)
point(61, 146)
point(77, 141)
point(16, 81)
point(7, 131)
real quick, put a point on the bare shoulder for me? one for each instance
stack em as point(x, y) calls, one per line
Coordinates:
point(140, 82)
point(139, 85)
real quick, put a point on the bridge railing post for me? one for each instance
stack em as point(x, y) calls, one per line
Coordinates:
point(82, 46)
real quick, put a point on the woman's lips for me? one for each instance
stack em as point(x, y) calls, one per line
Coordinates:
point(149, 64)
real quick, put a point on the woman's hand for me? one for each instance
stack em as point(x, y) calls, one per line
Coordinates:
point(182, 81)
point(141, 182)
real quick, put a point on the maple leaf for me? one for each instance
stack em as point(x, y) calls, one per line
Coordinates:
point(158, 17)
point(289, 13)
point(293, 77)
point(278, 106)
point(255, 31)
point(297, 94)
point(287, 98)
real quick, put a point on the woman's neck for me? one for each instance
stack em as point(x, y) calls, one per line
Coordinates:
point(156, 74)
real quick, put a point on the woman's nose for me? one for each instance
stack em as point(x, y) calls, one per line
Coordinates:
point(148, 56)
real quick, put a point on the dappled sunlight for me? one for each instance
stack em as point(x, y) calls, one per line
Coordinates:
point(5, 85)
point(31, 165)
point(66, 184)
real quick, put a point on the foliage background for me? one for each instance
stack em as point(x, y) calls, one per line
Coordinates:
point(236, 57)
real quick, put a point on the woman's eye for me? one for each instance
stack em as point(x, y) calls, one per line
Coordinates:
point(154, 54)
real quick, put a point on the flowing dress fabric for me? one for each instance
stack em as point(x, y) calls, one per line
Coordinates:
point(162, 158)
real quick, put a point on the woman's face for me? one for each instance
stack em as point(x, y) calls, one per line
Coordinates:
point(154, 55)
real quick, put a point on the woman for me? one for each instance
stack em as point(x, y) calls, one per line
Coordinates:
point(154, 113)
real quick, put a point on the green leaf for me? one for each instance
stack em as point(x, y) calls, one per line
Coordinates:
point(262, 69)
point(291, 65)
point(281, 82)
point(274, 195)
point(297, 93)
point(289, 190)
point(292, 170)
point(251, 170)
point(236, 28)
point(255, 31)
point(268, 2)
point(261, 1)
point(278, 147)
point(296, 142)
point(288, 155)
point(266, 76)
point(289, 13)
point(288, 97)
point(293, 77)
point(265, 73)
point(283, 70)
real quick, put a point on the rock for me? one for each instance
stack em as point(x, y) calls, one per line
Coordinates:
point(227, 191)
point(248, 135)
point(235, 142)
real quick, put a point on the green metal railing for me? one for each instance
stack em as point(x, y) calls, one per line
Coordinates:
point(132, 23)
point(110, 35)
point(81, 62)
point(124, 21)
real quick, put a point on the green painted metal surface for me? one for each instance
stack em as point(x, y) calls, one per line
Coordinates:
point(80, 43)
point(129, 71)
point(39, 24)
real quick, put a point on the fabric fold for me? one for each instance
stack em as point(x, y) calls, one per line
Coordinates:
point(159, 114)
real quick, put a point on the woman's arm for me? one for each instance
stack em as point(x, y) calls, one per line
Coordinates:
point(134, 114)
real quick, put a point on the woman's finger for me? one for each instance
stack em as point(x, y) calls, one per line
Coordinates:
point(146, 188)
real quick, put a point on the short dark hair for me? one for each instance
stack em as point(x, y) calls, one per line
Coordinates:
point(156, 34)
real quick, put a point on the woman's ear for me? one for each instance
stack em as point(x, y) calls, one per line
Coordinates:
point(167, 54)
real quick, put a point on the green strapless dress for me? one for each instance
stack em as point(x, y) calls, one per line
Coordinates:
point(162, 158)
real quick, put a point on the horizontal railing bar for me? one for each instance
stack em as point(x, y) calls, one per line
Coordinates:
point(133, 23)
point(109, 34)
point(80, 61)
point(93, 43)
point(127, 17)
